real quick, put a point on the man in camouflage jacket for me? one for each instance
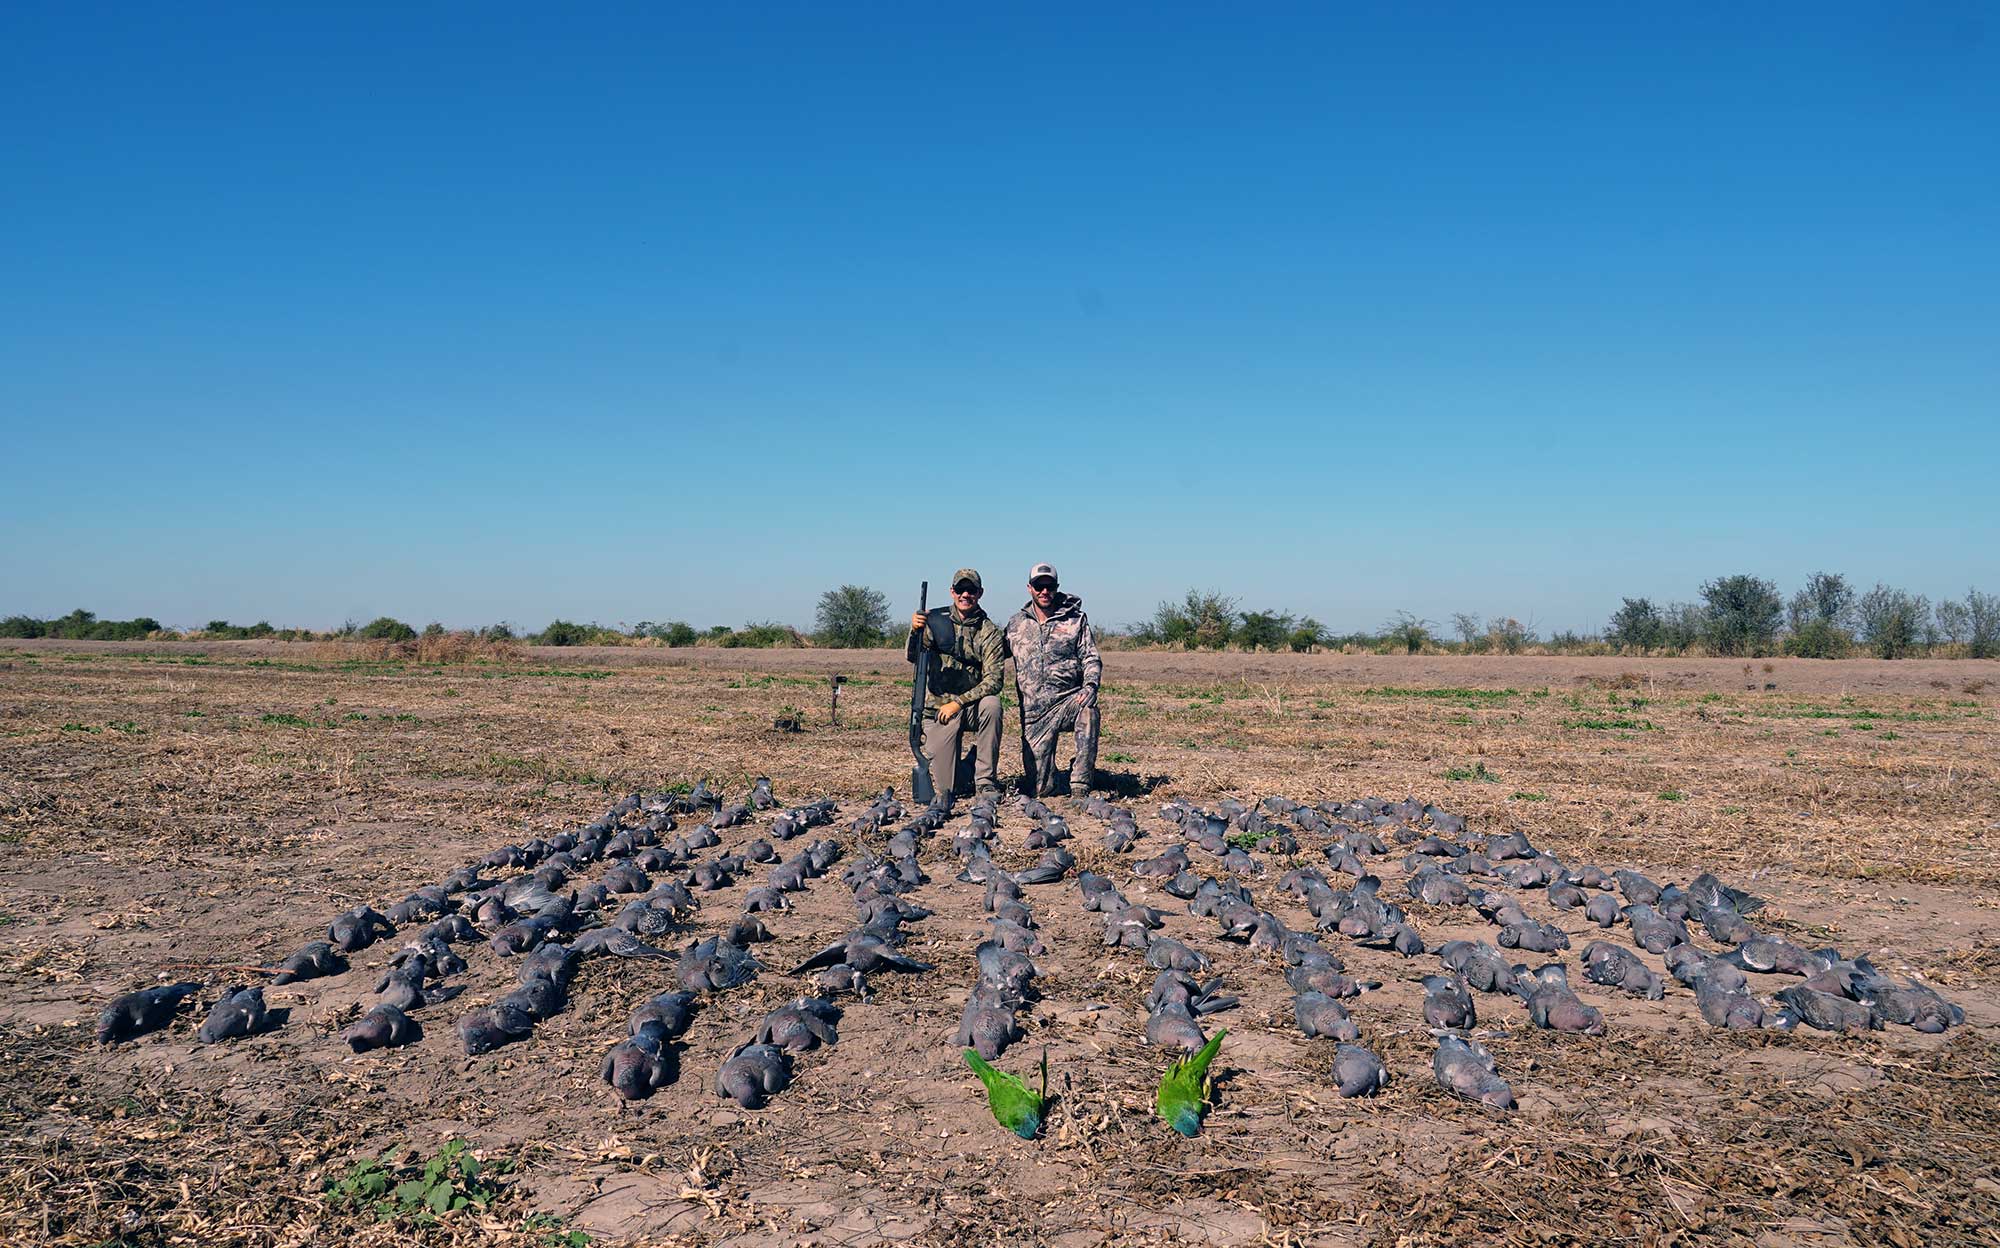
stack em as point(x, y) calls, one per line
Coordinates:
point(1056, 671)
point(964, 693)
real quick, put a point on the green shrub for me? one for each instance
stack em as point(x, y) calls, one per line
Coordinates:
point(384, 628)
point(1202, 619)
point(1406, 633)
point(1264, 630)
point(1636, 626)
point(1893, 622)
point(1309, 635)
point(853, 617)
point(1818, 639)
point(1743, 615)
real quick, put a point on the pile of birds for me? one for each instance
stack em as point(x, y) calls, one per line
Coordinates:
point(526, 902)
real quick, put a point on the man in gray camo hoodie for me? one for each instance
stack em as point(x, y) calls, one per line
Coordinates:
point(1056, 672)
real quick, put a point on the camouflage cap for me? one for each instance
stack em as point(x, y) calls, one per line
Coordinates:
point(968, 574)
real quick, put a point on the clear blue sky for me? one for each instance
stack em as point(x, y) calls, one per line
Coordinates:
point(488, 311)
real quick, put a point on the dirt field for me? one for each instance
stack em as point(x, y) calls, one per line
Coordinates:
point(177, 811)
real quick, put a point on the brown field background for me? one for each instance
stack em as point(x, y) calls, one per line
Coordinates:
point(170, 809)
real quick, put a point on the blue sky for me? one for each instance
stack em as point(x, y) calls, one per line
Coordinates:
point(492, 312)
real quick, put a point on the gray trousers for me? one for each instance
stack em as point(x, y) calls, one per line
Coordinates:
point(942, 743)
point(1038, 747)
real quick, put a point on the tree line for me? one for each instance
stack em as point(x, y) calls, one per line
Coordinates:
point(1736, 616)
point(1739, 615)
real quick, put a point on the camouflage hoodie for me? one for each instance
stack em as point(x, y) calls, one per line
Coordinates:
point(1053, 658)
point(972, 669)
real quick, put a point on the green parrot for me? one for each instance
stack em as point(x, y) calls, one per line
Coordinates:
point(1014, 1106)
point(1184, 1088)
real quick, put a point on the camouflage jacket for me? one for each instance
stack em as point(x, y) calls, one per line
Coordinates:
point(972, 669)
point(1052, 658)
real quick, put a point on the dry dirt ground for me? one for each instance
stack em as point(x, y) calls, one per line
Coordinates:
point(177, 812)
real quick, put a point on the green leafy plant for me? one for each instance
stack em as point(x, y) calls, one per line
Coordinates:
point(1476, 772)
point(416, 1188)
point(1671, 795)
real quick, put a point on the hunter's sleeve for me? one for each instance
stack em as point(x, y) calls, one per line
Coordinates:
point(1093, 663)
point(910, 647)
point(992, 666)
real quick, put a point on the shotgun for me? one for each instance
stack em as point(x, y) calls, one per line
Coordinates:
point(920, 775)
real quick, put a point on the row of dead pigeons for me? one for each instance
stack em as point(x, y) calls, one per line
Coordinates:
point(1838, 994)
point(523, 914)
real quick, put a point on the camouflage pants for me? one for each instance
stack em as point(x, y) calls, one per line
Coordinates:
point(1038, 747)
point(943, 742)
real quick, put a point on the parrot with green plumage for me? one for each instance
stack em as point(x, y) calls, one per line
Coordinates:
point(1184, 1088)
point(1014, 1105)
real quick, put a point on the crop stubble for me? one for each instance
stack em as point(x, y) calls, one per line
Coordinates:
point(163, 814)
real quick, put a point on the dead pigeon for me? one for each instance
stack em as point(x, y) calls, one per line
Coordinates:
point(145, 1011)
point(484, 1030)
point(639, 1065)
point(1173, 1026)
point(1778, 956)
point(1533, 937)
point(383, 1027)
point(1433, 887)
point(1690, 965)
point(1327, 981)
point(1165, 953)
point(1652, 931)
point(835, 980)
point(1732, 1009)
point(1565, 896)
point(1320, 1015)
point(310, 962)
point(1638, 890)
point(1462, 1065)
point(747, 930)
point(1481, 965)
point(452, 929)
point(1175, 988)
point(672, 1012)
point(1603, 910)
point(1551, 1002)
point(988, 1025)
point(1825, 1012)
point(713, 965)
point(403, 986)
point(1010, 972)
point(1357, 1071)
point(358, 929)
point(240, 1012)
point(864, 952)
point(1017, 939)
point(1912, 1004)
point(617, 942)
point(1615, 966)
point(766, 898)
point(800, 1027)
point(1448, 1004)
point(1708, 893)
point(753, 1073)
point(1726, 927)
point(538, 997)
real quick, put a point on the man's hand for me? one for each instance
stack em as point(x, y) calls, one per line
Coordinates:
point(1089, 698)
point(947, 712)
point(916, 621)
